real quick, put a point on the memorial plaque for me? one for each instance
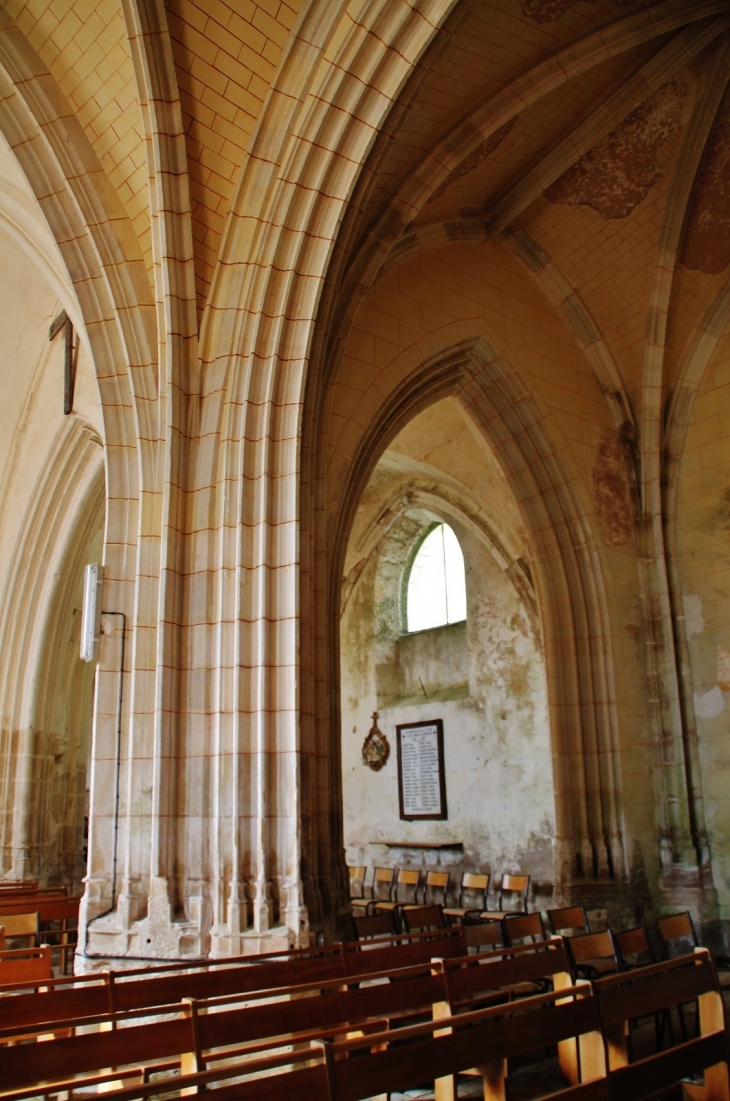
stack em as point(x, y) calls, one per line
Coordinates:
point(421, 783)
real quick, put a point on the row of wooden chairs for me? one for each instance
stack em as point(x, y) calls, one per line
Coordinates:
point(394, 888)
point(593, 953)
point(280, 1041)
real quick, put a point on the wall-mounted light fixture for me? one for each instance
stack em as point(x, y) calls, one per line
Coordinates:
point(91, 615)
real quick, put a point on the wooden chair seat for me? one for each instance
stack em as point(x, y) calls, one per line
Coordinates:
point(495, 915)
point(459, 911)
point(473, 893)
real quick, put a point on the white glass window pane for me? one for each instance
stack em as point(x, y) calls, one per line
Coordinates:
point(436, 586)
point(455, 579)
point(427, 584)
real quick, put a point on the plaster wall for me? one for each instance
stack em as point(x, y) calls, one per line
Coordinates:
point(484, 678)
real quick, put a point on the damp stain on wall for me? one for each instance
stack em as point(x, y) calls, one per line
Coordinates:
point(544, 11)
point(707, 238)
point(475, 158)
point(618, 173)
point(611, 494)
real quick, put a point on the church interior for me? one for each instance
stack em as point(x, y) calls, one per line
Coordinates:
point(364, 484)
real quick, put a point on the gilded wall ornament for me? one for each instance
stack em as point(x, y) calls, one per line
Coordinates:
point(376, 747)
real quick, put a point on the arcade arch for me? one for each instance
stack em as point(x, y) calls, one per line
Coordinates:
point(483, 675)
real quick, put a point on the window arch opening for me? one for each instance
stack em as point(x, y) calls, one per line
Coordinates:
point(436, 586)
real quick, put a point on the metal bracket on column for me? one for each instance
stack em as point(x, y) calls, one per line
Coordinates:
point(63, 321)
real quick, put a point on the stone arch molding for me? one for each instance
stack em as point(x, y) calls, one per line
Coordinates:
point(66, 501)
point(450, 502)
point(589, 835)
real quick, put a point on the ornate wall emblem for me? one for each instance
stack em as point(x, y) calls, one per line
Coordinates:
point(376, 747)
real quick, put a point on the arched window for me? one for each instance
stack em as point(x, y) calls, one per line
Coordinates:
point(436, 592)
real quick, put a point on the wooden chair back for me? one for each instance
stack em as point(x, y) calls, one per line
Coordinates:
point(370, 926)
point(568, 920)
point(677, 934)
point(434, 889)
point(593, 954)
point(474, 890)
point(416, 918)
point(15, 884)
point(407, 883)
point(357, 881)
point(25, 965)
point(383, 881)
point(519, 928)
point(21, 925)
point(513, 892)
point(634, 948)
point(484, 936)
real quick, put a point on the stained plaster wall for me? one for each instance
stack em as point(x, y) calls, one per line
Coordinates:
point(485, 679)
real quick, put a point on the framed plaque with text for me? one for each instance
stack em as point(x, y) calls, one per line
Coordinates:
point(421, 782)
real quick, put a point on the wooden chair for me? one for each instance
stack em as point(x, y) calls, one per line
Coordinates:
point(370, 926)
point(634, 948)
point(567, 921)
point(26, 965)
point(593, 955)
point(523, 928)
point(21, 927)
point(513, 889)
point(359, 902)
point(434, 888)
point(484, 936)
point(404, 891)
point(381, 889)
point(677, 934)
point(357, 881)
point(473, 897)
point(416, 918)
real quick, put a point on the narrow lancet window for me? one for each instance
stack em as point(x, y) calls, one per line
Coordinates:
point(436, 584)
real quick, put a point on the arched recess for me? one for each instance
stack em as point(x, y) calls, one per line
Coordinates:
point(590, 840)
point(40, 683)
point(483, 673)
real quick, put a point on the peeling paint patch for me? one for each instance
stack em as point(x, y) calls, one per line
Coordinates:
point(694, 621)
point(618, 173)
point(544, 11)
point(723, 669)
point(707, 238)
point(708, 705)
point(475, 158)
point(611, 492)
